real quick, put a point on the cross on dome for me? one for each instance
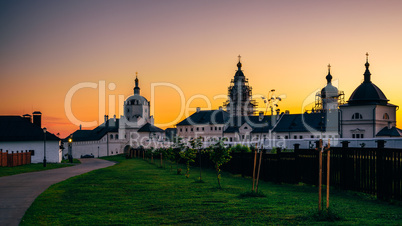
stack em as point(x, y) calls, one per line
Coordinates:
point(239, 64)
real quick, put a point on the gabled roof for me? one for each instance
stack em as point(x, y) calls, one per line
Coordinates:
point(111, 125)
point(206, 118)
point(390, 132)
point(150, 128)
point(258, 126)
point(16, 128)
point(303, 123)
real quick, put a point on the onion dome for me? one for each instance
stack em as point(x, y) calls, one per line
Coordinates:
point(367, 92)
point(239, 72)
point(329, 91)
point(136, 88)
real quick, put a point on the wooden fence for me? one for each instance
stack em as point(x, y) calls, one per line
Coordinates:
point(376, 171)
point(14, 159)
point(369, 170)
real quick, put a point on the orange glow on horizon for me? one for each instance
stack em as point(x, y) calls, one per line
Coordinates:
point(194, 46)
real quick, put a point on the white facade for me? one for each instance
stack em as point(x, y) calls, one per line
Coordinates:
point(53, 151)
point(134, 128)
point(367, 120)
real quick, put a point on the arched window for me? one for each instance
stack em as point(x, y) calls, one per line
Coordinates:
point(385, 116)
point(116, 136)
point(357, 116)
point(111, 136)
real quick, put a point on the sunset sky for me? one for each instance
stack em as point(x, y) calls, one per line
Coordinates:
point(49, 47)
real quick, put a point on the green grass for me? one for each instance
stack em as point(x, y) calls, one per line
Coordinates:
point(8, 171)
point(67, 161)
point(137, 192)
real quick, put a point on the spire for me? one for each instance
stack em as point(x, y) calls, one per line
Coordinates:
point(329, 76)
point(367, 73)
point(239, 64)
point(136, 88)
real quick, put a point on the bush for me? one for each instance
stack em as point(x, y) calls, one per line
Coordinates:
point(240, 149)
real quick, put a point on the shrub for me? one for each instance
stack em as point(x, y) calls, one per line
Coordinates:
point(240, 148)
point(219, 155)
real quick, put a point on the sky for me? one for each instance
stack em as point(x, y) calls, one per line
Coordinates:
point(74, 60)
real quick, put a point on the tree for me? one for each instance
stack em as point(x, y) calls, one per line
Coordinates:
point(189, 155)
point(176, 152)
point(197, 144)
point(219, 155)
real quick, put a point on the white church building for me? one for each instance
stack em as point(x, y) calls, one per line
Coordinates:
point(365, 118)
point(133, 129)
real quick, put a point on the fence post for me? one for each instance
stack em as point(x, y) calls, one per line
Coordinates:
point(10, 159)
point(379, 174)
point(29, 157)
point(24, 157)
point(15, 159)
point(19, 158)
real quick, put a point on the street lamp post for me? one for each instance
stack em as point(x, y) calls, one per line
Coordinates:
point(70, 154)
point(44, 146)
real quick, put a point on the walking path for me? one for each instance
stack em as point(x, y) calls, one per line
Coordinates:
point(18, 192)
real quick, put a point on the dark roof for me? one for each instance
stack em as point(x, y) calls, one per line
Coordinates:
point(367, 93)
point(232, 129)
point(206, 117)
point(389, 132)
point(170, 133)
point(150, 128)
point(258, 126)
point(16, 128)
point(96, 134)
point(303, 123)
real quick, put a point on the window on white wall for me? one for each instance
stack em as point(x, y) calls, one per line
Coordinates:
point(385, 116)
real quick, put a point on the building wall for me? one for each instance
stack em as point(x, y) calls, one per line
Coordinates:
point(110, 144)
point(205, 131)
point(372, 121)
point(53, 151)
point(383, 122)
point(349, 125)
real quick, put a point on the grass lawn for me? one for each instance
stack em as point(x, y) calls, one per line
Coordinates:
point(137, 192)
point(8, 171)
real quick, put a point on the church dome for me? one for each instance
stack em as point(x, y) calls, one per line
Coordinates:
point(367, 92)
point(329, 91)
point(239, 72)
point(136, 100)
